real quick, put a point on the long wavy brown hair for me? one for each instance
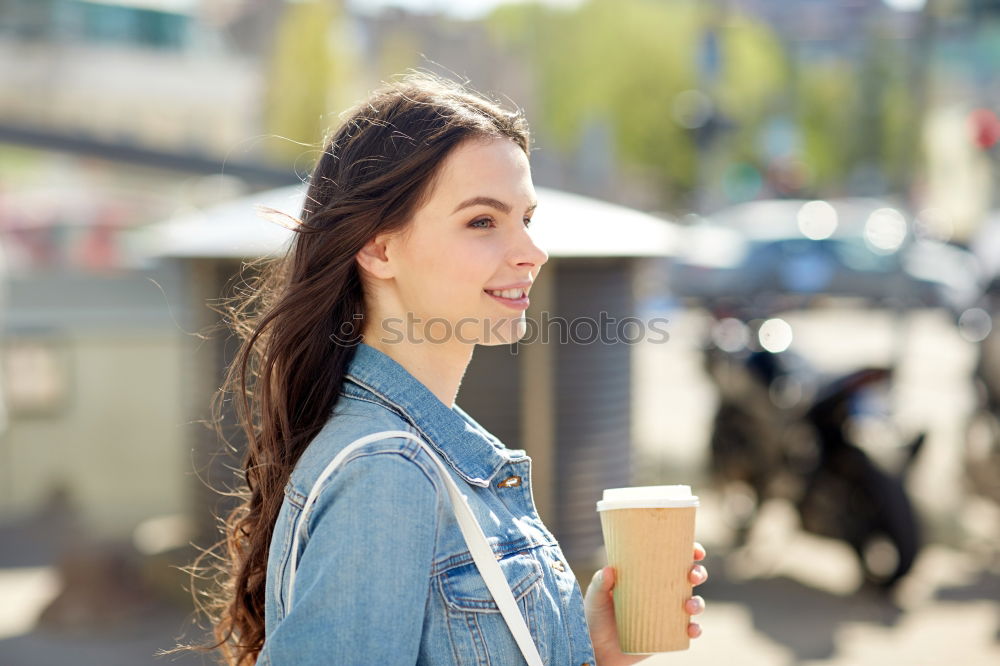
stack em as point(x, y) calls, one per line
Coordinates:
point(374, 172)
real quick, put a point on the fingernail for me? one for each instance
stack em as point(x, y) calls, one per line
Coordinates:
point(599, 577)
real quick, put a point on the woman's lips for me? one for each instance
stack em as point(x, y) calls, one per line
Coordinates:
point(515, 303)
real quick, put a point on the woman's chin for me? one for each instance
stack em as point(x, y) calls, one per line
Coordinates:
point(506, 333)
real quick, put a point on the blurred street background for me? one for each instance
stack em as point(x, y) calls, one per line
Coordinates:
point(792, 202)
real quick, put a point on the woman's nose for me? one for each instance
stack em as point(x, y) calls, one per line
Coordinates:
point(530, 252)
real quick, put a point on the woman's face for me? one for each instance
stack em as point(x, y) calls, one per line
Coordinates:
point(468, 239)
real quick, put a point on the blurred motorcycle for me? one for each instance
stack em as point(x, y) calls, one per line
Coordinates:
point(781, 430)
point(982, 442)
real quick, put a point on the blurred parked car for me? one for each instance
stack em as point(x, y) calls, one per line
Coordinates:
point(795, 250)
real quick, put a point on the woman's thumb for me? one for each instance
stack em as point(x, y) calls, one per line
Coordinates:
point(599, 588)
point(600, 578)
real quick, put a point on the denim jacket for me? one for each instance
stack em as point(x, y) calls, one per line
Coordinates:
point(384, 575)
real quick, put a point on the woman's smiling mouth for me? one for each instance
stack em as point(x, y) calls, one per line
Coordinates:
point(512, 298)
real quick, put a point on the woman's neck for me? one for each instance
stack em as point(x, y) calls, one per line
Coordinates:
point(439, 367)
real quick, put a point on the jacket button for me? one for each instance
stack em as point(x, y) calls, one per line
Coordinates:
point(559, 566)
point(510, 482)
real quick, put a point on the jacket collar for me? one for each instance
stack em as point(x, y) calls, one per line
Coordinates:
point(464, 444)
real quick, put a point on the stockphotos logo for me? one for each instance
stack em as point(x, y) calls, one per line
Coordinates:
point(605, 329)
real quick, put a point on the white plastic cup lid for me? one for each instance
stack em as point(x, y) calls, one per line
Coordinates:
point(647, 497)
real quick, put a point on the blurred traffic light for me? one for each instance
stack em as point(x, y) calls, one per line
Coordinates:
point(985, 128)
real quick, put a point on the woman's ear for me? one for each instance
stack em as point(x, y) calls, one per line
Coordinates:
point(374, 259)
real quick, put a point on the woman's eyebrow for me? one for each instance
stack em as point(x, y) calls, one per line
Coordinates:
point(491, 202)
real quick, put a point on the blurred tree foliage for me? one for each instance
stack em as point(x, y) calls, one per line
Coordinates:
point(825, 98)
point(858, 112)
point(627, 61)
point(891, 108)
point(618, 70)
point(398, 52)
point(311, 73)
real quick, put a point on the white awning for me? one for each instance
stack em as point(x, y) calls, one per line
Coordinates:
point(565, 225)
point(189, 7)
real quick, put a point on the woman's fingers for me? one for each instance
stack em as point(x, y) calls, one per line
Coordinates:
point(694, 605)
point(698, 574)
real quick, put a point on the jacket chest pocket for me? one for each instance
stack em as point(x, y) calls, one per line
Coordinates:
point(479, 634)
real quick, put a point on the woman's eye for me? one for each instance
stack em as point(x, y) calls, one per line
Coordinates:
point(487, 222)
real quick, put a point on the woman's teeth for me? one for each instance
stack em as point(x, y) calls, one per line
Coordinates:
point(508, 293)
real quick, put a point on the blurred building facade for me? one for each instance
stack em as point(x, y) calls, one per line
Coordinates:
point(147, 72)
point(97, 346)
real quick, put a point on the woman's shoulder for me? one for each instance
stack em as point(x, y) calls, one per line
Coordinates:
point(351, 419)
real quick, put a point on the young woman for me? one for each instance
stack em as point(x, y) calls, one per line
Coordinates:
point(413, 248)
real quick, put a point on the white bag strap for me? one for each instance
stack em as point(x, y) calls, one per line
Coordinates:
point(482, 554)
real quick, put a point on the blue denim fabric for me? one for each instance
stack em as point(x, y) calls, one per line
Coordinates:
point(384, 575)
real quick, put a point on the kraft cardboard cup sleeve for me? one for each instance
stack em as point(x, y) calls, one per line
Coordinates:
point(649, 536)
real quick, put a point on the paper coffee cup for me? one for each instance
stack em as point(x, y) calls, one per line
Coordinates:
point(649, 537)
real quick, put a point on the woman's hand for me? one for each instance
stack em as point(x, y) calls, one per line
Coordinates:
point(599, 605)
